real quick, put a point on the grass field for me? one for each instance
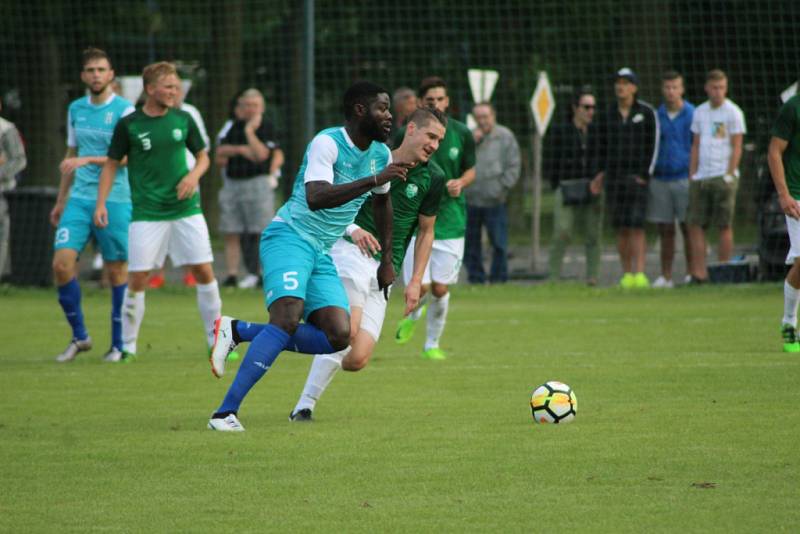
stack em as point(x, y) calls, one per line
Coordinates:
point(688, 421)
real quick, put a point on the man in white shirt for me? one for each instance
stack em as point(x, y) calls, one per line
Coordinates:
point(718, 126)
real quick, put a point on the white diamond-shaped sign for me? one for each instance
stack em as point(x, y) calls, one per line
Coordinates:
point(543, 104)
point(482, 83)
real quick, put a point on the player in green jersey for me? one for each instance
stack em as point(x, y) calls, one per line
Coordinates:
point(456, 156)
point(784, 165)
point(415, 205)
point(167, 218)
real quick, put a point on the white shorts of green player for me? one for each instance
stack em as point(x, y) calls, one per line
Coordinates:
point(357, 272)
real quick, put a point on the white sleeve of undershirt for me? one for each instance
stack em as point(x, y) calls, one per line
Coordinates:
point(383, 189)
point(322, 154)
point(71, 141)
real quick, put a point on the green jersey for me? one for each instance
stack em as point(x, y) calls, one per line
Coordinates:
point(156, 150)
point(420, 194)
point(787, 127)
point(456, 155)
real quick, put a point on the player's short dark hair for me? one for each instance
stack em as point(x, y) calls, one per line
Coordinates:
point(716, 75)
point(423, 116)
point(93, 54)
point(431, 82)
point(360, 93)
point(670, 75)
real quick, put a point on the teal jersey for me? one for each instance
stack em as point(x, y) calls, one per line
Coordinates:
point(332, 157)
point(89, 130)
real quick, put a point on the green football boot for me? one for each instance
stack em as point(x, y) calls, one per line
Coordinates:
point(790, 341)
point(434, 353)
point(628, 281)
point(406, 327)
point(640, 281)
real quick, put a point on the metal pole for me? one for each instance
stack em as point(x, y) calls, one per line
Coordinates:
point(536, 210)
point(308, 69)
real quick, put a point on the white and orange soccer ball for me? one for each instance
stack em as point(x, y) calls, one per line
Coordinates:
point(554, 402)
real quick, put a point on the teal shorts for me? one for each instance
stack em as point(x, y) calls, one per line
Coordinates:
point(294, 268)
point(76, 226)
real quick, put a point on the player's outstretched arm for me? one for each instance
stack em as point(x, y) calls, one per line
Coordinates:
point(103, 189)
point(383, 213)
point(321, 194)
point(422, 253)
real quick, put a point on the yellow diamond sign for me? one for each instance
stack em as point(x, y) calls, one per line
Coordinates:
point(543, 104)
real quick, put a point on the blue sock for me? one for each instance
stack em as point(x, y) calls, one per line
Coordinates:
point(117, 295)
point(248, 331)
point(310, 340)
point(69, 296)
point(262, 352)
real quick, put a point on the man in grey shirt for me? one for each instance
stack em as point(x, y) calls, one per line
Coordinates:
point(496, 171)
point(12, 161)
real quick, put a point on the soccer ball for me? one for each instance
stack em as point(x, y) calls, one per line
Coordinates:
point(553, 402)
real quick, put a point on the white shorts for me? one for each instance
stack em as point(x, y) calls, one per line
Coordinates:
point(444, 264)
point(793, 226)
point(185, 240)
point(359, 275)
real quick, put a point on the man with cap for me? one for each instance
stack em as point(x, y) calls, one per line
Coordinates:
point(625, 148)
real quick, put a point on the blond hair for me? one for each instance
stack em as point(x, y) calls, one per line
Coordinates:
point(154, 71)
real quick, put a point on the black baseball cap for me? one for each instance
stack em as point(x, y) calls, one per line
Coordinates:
point(627, 74)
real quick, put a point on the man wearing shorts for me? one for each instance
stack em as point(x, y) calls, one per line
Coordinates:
point(626, 150)
point(784, 165)
point(718, 126)
point(669, 188)
point(340, 169)
point(456, 156)
point(252, 160)
point(167, 218)
point(90, 124)
point(415, 204)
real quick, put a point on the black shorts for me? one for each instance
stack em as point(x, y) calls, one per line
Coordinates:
point(626, 200)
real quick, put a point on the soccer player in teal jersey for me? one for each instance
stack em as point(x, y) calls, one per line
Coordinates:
point(90, 124)
point(341, 167)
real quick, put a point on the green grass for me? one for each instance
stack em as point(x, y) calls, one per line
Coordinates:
point(676, 391)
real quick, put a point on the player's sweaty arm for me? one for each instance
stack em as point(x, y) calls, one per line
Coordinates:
point(383, 213)
point(321, 194)
point(103, 189)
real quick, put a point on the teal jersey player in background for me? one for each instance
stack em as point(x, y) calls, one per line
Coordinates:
point(456, 156)
point(90, 124)
point(415, 205)
point(340, 168)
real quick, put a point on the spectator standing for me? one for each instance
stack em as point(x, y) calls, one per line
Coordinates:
point(718, 126)
point(569, 165)
point(252, 160)
point(12, 162)
point(784, 166)
point(497, 167)
point(669, 188)
point(626, 151)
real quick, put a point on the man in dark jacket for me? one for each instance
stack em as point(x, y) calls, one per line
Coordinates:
point(569, 167)
point(626, 148)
